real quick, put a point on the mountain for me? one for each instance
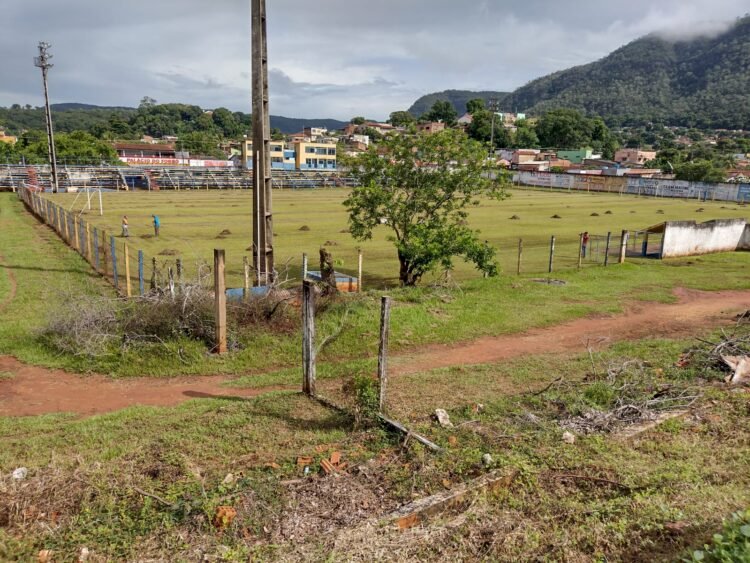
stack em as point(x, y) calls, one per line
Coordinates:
point(457, 97)
point(294, 125)
point(698, 82)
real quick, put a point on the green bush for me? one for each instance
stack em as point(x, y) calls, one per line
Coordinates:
point(733, 545)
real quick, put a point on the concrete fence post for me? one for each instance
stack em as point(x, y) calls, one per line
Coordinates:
point(552, 254)
point(624, 245)
point(520, 254)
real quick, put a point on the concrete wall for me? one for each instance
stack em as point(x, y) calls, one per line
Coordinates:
point(745, 240)
point(688, 238)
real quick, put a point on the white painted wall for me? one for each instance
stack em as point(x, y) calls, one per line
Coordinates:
point(687, 238)
point(745, 241)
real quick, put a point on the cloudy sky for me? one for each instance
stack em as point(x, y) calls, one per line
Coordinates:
point(329, 58)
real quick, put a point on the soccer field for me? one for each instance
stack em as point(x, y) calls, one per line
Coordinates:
point(193, 223)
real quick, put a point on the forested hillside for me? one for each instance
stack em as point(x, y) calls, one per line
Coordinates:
point(703, 82)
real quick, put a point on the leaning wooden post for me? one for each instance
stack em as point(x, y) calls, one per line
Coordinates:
point(246, 271)
point(606, 251)
point(580, 251)
point(75, 241)
point(385, 321)
point(126, 254)
point(220, 300)
point(113, 247)
point(552, 254)
point(623, 246)
point(359, 270)
point(520, 254)
point(644, 250)
point(304, 266)
point(141, 284)
point(308, 339)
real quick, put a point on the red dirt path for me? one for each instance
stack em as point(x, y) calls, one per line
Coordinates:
point(34, 391)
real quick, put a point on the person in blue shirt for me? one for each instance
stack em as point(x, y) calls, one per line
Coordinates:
point(157, 224)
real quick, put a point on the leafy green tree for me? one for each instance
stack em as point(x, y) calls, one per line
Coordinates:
point(226, 122)
point(401, 119)
point(359, 120)
point(200, 144)
point(420, 187)
point(442, 111)
point(700, 171)
point(525, 137)
point(564, 129)
point(475, 106)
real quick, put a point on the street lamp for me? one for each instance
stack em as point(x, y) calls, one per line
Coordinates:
point(42, 61)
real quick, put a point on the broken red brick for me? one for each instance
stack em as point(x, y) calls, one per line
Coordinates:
point(336, 458)
point(302, 461)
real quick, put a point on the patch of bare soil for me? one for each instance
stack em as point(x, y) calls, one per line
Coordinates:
point(34, 391)
point(695, 311)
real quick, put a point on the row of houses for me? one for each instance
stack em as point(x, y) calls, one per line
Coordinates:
point(579, 161)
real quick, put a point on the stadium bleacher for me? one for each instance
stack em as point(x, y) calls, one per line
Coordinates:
point(73, 178)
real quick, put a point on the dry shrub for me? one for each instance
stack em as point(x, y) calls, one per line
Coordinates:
point(84, 326)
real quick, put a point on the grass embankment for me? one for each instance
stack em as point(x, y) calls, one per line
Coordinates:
point(650, 497)
point(48, 274)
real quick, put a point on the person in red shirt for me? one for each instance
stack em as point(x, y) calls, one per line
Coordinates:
point(584, 243)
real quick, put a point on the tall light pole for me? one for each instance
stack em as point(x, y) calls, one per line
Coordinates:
point(494, 107)
point(42, 61)
point(262, 202)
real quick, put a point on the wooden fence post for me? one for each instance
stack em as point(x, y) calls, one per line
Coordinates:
point(153, 273)
point(552, 254)
point(580, 251)
point(624, 245)
point(359, 271)
point(308, 339)
point(220, 293)
point(520, 254)
point(97, 264)
point(246, 271)
point(113, 247)
point(128, 288)
point(606, 251)
point(88, 243)
point(304, 266)
point(644, 250)
point(76, 233)
point(179, 272)
point(141, 285)
point(385, 321)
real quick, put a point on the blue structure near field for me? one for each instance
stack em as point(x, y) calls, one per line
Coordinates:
point(344, 282)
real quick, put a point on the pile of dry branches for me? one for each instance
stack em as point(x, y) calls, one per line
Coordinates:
point(636, 398)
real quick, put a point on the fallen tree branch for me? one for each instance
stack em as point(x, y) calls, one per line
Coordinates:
point(594, 479)
point(153, 496)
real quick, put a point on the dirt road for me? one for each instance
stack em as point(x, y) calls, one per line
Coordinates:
point(32, 391)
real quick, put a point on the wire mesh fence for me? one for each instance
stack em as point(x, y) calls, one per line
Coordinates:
point(132, 272)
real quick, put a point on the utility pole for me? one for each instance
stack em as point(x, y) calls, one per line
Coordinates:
point(262, 202)
point(42, 61)
point(494, 107)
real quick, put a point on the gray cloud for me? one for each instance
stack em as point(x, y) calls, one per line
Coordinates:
point(333, 58)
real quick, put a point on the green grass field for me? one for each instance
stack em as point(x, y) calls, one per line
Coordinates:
point(192, 223)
